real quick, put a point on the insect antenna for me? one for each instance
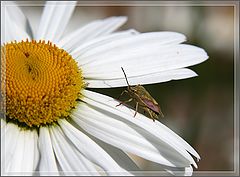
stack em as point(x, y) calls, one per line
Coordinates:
point(125, 76)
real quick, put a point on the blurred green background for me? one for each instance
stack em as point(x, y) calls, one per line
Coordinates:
point(200, 109)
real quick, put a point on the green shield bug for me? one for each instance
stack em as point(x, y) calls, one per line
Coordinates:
point(142, 99)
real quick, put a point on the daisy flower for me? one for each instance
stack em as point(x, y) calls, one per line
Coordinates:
point(51, 124)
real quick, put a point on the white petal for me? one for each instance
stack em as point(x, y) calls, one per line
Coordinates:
point(90, 31)
point(140, 124)
point(158, 127)
point(187, 171)
point(143, 40)
point(87, 46)
point(9, 134)
point(181, 142)
point(47, 164)
point(8, 144)
point(158, 77)
point(70, 160)
point(91, 150)
point(125, 137)
point(25, 151)
point(118, 155)
point(36, 151)
point(141, 60)
point(10, 29)
point(17, 16)
point(54, 20)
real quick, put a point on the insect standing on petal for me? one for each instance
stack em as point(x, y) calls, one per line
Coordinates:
point(142, 99)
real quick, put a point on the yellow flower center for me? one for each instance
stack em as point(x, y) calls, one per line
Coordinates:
point(42, 82)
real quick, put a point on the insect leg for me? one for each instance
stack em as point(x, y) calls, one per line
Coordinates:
point(136, 109)
point(124, 102)
point(150, 113)
point(124, 91)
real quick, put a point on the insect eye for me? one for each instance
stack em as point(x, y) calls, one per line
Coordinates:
point(132, 90)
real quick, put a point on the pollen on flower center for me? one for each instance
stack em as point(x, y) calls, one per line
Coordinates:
point(42, 82)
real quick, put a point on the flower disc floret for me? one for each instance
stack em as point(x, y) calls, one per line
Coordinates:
point(41, 81)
